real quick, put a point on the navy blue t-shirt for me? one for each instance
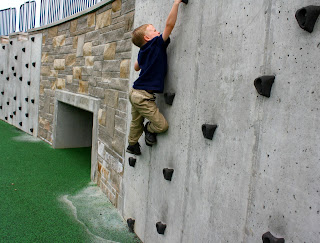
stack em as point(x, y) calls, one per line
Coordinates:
point(152, 59)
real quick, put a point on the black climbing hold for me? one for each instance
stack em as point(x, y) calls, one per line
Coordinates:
point(1, 72)
point(32, 101)
point(32, 39)
point(15, 74)
point(307, 17)
point(132, 161)
point(14, 113)
point(269, 238)
point(15, 98)
point(167, 173)
point(31, 129)
point(26, 99)
point(34, 64)
point(12, 68)
point(27, 115)
point(16, 57)
point(28, 82)
point(8, 78)
point(161, 228)
point(185, 1)
point(11, 42)
point(168, 97)
point(27, 65)
point(208, 130)
point(3, 47)
point(264, 84)
point(20, 123)
point(2, 92)
point(20, 78)
point(6, 118)
point(8, 103)
point(19, 108)
point(11, 116)
point(24, 49)
point(130, 223)
point(0, 107)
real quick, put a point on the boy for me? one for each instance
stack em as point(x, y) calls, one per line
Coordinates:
point(152, 61)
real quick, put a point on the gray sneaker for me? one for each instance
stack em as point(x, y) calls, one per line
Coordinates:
point(150, 138)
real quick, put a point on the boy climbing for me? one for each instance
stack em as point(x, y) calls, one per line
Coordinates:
point(152, 61)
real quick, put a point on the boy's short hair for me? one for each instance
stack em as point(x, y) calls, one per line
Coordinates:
point(138, 35)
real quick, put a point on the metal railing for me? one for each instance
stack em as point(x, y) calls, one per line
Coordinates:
point(7, 21)
point(50, 12)
point(27, 16)
point(54, 10)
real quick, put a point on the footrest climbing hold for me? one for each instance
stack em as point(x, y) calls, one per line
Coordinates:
point(208, 130)
point(167, 173)
point(132, 161)
point(307, 17)
point(269, 238)
point(169, 97)
point(130, 223)
point(264, 84)
point(161, 228)
point(185, 1)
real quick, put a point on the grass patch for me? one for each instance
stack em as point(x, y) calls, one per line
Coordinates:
point(33, 176)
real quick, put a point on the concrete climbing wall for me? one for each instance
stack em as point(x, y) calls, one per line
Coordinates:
point(20, 78)
point(261, 170)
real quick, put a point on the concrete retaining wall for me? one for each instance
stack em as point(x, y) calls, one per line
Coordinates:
point(261, 170)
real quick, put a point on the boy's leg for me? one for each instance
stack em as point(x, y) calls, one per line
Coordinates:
point(145, 104)
point(136, 126)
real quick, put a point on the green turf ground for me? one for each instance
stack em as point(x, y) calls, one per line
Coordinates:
point(33, 177)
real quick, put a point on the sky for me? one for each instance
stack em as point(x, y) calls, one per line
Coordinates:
point(16, 4)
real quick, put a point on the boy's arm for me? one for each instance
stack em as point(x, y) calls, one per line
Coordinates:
point(136, 66)
point(171, 20)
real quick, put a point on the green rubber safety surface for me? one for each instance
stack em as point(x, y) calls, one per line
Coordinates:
point(45, 197)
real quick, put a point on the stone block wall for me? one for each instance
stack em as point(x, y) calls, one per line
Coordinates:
point(91, 55)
